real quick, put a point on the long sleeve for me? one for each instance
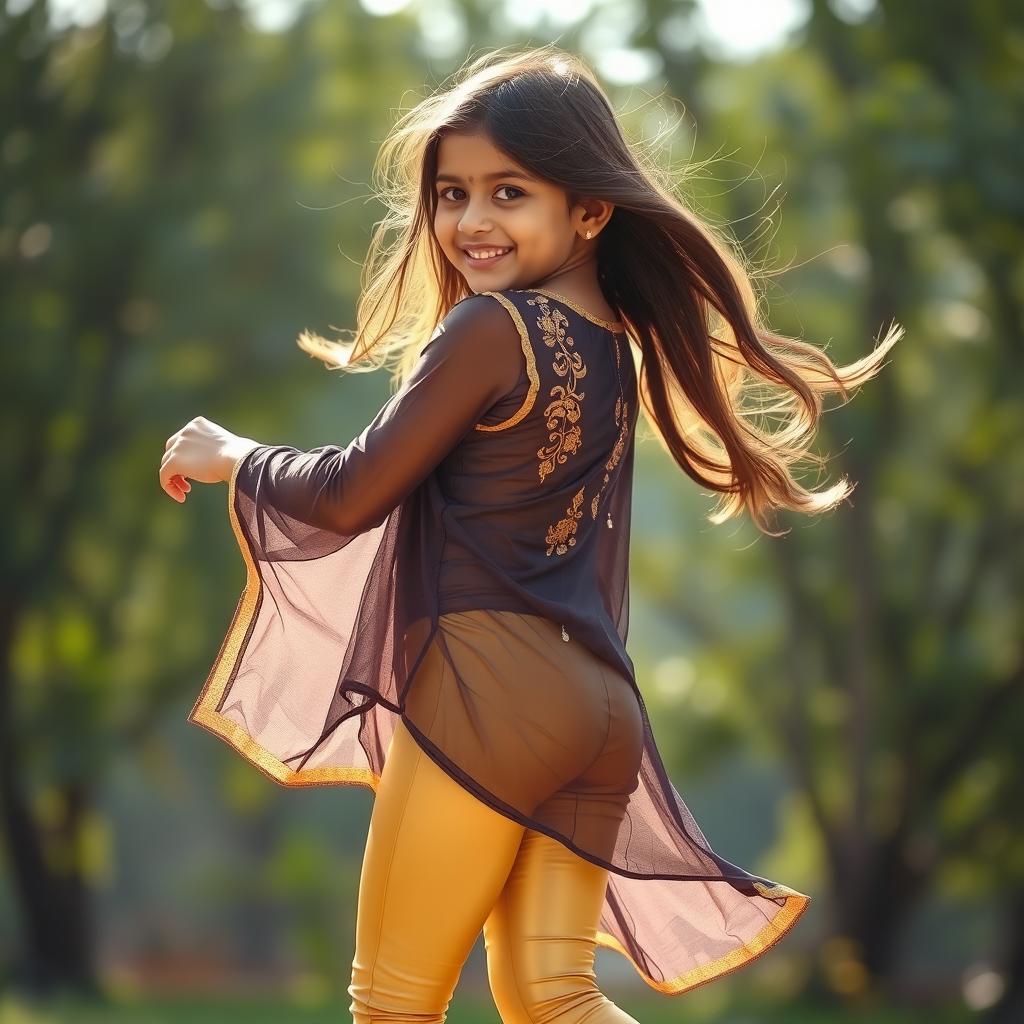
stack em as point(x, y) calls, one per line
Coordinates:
point(473, 360)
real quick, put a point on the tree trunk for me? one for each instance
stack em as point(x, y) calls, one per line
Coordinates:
point(54, 907)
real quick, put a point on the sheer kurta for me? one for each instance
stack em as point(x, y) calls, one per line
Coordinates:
point(498, 479)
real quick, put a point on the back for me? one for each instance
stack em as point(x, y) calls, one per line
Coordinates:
point(531, 493)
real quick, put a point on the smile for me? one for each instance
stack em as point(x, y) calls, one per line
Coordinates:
point(486, 257)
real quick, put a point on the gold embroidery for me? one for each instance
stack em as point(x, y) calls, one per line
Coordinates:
point(616, 326)
point(563, 412)
point(621, 408)
point(531, 367)
point(561, 537)
point(622, 419)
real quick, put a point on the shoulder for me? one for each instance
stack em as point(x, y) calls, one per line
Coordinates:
point(480, 341)
point(491, 312)
point(485, 328)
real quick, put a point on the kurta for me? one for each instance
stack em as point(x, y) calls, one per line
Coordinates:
point(499, 477)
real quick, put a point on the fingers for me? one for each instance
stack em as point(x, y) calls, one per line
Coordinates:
point(176, 485)
point(169, 482)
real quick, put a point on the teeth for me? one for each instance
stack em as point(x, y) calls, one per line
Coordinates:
point(483, 254)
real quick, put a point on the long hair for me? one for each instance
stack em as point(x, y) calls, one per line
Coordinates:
point(702, 351)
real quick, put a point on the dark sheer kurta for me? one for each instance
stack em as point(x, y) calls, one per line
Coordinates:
point(499, 477)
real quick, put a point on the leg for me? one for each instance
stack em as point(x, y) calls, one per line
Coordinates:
point(540, 939)
point(436, 859)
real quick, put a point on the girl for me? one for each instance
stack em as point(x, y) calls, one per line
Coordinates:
point(439, 609)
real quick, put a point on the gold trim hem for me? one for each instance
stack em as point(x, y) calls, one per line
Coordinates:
point(791, 912)
point(204, 712)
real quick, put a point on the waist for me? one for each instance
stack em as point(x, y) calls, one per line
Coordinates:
point(466, 594)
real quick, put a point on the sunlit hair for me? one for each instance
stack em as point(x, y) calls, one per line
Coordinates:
point(712, 374)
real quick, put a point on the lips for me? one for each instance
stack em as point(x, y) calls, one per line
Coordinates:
point(494, 255)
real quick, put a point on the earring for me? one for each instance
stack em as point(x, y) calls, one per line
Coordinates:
point(588, 234)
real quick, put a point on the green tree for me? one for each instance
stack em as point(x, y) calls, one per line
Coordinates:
point(892, 673)
point(163, 243)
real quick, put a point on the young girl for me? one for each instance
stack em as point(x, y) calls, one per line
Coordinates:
point(439, 609)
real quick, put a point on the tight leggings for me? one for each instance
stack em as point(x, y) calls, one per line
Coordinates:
point(439, 865)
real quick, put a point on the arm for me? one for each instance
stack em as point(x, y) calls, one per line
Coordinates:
point(474, 360)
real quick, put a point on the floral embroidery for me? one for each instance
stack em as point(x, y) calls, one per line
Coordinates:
point(622, 419)
point(616, 326)
point(563, 412)
point(621, 410)
point(561, 536)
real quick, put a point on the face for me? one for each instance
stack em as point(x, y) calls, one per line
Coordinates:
point(487, 202)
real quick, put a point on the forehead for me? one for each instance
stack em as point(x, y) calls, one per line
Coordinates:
point(474, 158)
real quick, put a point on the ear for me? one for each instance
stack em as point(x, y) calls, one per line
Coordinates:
point(591, 215)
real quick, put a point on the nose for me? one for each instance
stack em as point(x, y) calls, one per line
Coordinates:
point(474, 218)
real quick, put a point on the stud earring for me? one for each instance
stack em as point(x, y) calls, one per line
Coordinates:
point(588, 234)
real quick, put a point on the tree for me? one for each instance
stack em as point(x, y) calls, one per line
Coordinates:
point(895, 679)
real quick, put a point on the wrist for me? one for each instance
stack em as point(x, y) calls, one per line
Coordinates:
point(233, 452)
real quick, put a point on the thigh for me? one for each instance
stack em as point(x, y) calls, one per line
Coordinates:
point(436, 859)
point(541, 938)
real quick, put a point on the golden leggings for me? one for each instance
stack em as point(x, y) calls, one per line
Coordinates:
point(439, 865)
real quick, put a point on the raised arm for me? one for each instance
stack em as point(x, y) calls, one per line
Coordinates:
point(473, 361)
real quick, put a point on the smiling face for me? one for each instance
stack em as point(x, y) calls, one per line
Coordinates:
point(488, 203)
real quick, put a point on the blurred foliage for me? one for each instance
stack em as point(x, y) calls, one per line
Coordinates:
point(841, 707)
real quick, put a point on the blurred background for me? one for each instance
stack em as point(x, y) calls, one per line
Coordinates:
point(185, 186)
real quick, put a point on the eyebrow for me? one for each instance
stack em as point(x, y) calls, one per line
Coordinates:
point(508, 172)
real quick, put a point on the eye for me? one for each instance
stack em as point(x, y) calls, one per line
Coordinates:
point(500, 188)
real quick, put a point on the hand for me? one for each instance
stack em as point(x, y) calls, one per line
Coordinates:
point(203, 451)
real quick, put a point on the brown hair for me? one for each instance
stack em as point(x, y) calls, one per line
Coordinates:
point(701, 347)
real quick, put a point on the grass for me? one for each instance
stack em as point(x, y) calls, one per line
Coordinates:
point(463, 1011)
